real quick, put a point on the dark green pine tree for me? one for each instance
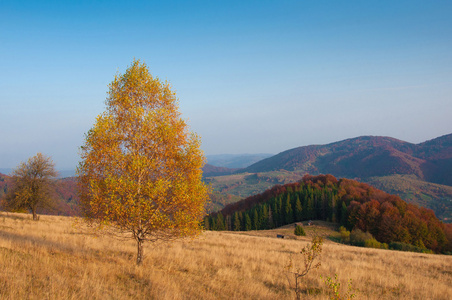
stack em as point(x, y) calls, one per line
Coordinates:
point(263, 221)
point(298, 212)
point(206, 223)
point(310, 209)
point(282, 217)
point(317, 205)
point(323, 204)
point(212, 223)
point(219, 222)
point(237, 226)
point(277, 212)
point(288, 211)
point(332, 207)
point(304, 204)
point(271, 225)
point(255, 220)
point(228, 223)
point(344, 214)
point(247, 222)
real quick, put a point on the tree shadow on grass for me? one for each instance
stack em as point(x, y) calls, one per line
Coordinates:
point(54, 247)
point(15, 216)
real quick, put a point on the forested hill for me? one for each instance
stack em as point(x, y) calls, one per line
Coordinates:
point(367, 156)
point(347, 202)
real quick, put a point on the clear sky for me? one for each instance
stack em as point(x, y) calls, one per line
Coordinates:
point(251, 76)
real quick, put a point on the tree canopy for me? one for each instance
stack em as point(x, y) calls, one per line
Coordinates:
point(141, 166)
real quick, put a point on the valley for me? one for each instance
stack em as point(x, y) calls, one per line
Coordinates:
point(418, 173)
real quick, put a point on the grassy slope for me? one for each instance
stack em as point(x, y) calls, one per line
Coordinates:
point(232, 188)
point(246, 184)
point(52, 259)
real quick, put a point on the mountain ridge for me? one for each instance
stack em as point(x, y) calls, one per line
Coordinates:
point(367, 156)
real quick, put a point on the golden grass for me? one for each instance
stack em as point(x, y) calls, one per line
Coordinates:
point(52, 259)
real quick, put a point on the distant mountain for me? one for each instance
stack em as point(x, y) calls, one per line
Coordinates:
point(367, 156)
point(210, 170)
point(438, 156)
point(235, 161)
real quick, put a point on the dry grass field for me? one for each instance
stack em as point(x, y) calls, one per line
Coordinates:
point(53, 259)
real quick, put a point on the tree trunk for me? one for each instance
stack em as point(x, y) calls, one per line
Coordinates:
point(35, 216)
point(140, 251)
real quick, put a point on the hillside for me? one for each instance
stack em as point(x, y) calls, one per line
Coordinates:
point(211, 170)
point(434, 196)
point(235, 161)
point(247, 184)
point(346, 202)
point(56, 259)
point(366, 157)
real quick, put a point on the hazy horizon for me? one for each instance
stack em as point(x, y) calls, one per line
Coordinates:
point(251, 76)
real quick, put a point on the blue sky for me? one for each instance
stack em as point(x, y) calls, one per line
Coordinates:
point(251, 76)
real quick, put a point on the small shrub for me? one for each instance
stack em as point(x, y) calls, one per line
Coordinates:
point(365, 239)
point(345, 235)
point(359, 238)
point(299, 231)
point(372, 243)
point(334, 286)
point(310, 253)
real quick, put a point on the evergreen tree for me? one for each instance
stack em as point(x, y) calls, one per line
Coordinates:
point(247, 222)
point(241, 219)
point(276, 213)
point(304, 204)
point(220, 222)
point(206, 223)
point(255, 220)
point(310, 207)
point(299, 231)
point(263, 221)
point(288, 211)
point(344, 214)
point(282, 218)
point(332, 208)
point(228, 223)
point(212, 223)
point(298, 212)
point(317, 205)
point(236, 222)
point(271, 225)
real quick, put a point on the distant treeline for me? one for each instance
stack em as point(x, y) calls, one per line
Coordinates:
point(346, 202)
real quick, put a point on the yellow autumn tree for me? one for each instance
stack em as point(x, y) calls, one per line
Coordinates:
point(140, 171)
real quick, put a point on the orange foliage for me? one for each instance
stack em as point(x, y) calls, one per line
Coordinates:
point(141, 167)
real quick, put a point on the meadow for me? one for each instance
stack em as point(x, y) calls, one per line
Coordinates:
point(58, 258)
